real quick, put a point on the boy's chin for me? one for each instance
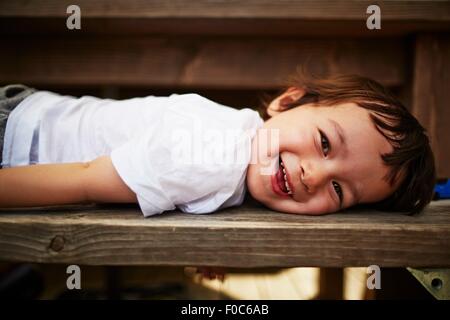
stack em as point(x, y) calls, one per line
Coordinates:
point(282, 208)
point(272, 204)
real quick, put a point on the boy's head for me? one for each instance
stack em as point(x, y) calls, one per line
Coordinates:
point(342, 138)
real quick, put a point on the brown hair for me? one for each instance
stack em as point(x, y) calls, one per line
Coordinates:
point(412, 159)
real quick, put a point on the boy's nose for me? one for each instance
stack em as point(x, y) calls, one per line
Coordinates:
point(313, 177)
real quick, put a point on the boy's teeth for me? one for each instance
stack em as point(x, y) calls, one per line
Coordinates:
point(286, 184)
point(285, 178)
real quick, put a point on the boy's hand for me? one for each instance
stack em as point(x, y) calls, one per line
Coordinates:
point(209, 272)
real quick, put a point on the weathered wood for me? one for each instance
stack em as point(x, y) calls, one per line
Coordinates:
point(217, 26)
point(228, 62)
point(305, 9)
point(247, 236)
point(431, 94)
point(247, 17)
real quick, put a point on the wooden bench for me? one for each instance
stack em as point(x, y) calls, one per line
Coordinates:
point(249, 236)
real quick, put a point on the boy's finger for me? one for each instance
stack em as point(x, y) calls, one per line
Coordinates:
point(190, 271)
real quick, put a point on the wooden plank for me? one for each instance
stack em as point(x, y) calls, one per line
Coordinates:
point(245, 17)
point(431, 94)
point(192, 62)
point(246, 236)
point(421, 10)
point(216, 26)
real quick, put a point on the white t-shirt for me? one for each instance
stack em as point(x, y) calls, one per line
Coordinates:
point(182, 151)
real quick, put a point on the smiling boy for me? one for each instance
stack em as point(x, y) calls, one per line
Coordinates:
point(343, 141)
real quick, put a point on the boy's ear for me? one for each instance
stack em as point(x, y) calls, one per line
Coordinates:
point(281, 103)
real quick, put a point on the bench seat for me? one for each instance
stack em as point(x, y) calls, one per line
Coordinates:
point(244, 237)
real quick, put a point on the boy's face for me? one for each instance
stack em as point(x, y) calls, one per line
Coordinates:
point(319, 165)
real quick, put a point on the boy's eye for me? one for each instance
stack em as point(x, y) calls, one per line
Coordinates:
point(325, 143)
point(338, 190)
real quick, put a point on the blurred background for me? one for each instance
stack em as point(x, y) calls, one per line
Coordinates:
point(48, 281)
point(233, 52)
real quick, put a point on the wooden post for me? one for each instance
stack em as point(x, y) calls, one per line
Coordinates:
point(331, 285)
point(431, 94)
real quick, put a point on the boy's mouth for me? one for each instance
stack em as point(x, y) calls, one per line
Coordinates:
point(279, 181)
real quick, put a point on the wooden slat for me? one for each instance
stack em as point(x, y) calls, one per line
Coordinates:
point(247, 236)
point(226, 62)
point(219, 26)
point(299, 9)
point(245, 17)
point(431, 94)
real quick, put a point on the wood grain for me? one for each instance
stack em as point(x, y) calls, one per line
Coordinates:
point(192, 62)
point(304, 9)
point(245, 17)
point(247, 236)
point(217, 26)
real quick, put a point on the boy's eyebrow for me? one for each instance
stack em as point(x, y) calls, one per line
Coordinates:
point(340, 133)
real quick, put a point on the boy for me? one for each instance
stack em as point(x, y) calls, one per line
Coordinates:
point(340, 141)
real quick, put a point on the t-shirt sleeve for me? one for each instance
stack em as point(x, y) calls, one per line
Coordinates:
point(179, 163)
point(136, 162)
point(162, 182)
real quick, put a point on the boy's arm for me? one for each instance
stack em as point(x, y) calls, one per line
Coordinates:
point(63, 183)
